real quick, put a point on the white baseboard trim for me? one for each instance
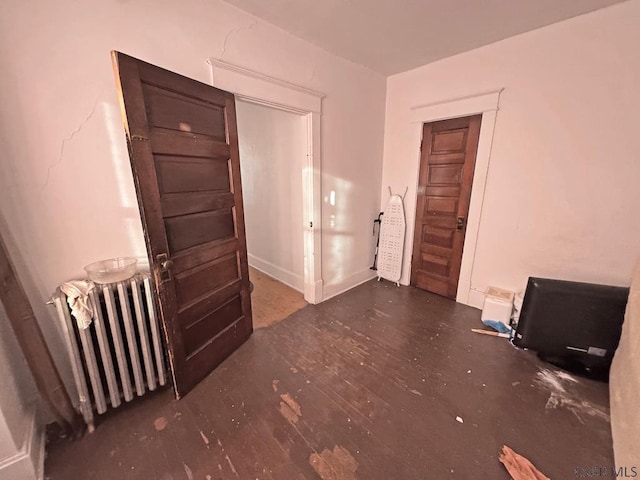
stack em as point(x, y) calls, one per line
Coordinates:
point(28, 462)
point(314, 293)
point(285, 276)
point(333, 289)
point(476, 298)
point(462, 295)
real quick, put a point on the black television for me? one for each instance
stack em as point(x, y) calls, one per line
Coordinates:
point(573, 325)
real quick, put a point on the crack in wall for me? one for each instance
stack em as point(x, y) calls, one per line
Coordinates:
point(67, 140)
point(231, 32)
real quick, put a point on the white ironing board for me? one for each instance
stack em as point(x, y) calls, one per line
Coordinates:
point(392, 232)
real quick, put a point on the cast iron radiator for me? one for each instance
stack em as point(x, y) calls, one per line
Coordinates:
point(121, 352)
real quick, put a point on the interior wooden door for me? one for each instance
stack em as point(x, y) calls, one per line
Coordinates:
point(447, 161)
point(183, 145)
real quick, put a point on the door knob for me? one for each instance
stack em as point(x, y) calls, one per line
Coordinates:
point(164, 261)
point(460, 223)
point(167, 264)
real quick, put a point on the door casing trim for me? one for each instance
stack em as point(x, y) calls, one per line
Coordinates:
point(485, 103)
point(260, 89)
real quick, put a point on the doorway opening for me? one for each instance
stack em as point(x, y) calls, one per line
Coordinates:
point(260, 89)
point(272, 149)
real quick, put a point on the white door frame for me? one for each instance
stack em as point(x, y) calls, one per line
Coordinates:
point(260, 89)
point(486, 103)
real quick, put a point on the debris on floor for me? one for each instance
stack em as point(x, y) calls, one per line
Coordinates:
point(160, 423)
point(519, 467)
point(491, 332)
point(561, 386)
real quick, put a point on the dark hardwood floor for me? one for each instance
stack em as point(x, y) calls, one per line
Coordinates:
point(379, 383)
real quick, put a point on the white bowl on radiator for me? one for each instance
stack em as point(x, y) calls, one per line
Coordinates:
point(112, 270)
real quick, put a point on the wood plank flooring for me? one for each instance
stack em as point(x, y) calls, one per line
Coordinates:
point(379, 383)
point(271, 300)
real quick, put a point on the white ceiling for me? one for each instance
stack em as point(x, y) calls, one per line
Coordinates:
point(392, 36)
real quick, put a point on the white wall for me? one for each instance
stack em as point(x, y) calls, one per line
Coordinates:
point(562, 190)
point(21, 436)
point(66, 190)
point(13, 408)
point(273, 153)
point(624, 383)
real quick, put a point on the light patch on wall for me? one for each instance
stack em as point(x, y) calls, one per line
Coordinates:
point(119, 156)
point(340, 232)
point(332, 202)
point(126, 193)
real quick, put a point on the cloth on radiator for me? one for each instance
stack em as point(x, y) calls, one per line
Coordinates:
point(77, 292)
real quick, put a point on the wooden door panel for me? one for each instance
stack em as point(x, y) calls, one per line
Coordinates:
point(181, 143)
point(446, 158)
point(184, 154)
point(431, 283)
point(188, 259)
point(440, 191)
point(174, 205)
point(448, 141)
point(427, 248)
point(220, 346)
point(187, 231)
point(441, 237)
point(191, 312)
point(194, 283)
point(446, 172)
point(441, 206)
point(172, 82)
point(197, 333)
point(445, 222)
point(436, 264)
point(170, 111)
point(177, 174)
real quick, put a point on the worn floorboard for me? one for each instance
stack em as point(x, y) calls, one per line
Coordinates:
point(379, 383)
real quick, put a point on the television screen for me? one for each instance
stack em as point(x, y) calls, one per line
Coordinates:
point(574, 325)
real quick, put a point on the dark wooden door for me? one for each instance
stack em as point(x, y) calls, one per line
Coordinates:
point(183, 146)
point(447, 160)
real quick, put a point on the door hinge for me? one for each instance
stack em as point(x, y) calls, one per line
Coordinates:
point(139, 137)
